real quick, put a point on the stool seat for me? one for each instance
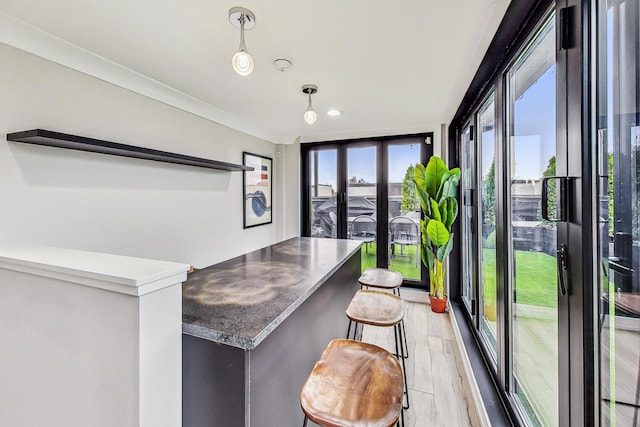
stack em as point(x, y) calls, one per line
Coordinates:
point(380, 278)
point(354, 384)
point(377, 308)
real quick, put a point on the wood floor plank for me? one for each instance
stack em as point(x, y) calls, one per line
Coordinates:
point(439, 325)
point(422, 412)
point(419, 366)
point(450, 398)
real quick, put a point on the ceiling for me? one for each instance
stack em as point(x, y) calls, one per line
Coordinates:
point(391, 67)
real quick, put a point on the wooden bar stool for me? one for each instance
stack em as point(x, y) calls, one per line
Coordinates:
point(353, 384)
point(379, 308)
point(382, 278)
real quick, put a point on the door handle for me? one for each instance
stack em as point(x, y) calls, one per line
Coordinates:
point(562, 267)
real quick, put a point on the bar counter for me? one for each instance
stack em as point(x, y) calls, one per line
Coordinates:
point(253, 327)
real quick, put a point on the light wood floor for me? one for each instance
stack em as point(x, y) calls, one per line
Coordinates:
point(436, 393)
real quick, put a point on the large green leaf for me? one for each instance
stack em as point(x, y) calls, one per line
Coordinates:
point(449, 187)
point(454, 180)
point(437, 232)
point(421, 190)
point(427, 257)
point(445, 250)
point(418, 175)
point(444, 212)
point(433, 175)
point(424, 199)
point(426, 242)
point(426, 251)
point(435, 210)
point(456, 172)
point(444, 178)
point(452, 212)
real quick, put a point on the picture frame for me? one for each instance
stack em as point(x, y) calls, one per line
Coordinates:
point(257, 188)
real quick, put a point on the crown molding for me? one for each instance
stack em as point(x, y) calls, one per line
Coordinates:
point(372, 133)
point(35, 41)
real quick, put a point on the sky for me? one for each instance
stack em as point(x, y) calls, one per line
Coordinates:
point(534, 141)
point(534, 119)
point(361, 163)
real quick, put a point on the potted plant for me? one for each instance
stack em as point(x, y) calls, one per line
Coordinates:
point(436, 186)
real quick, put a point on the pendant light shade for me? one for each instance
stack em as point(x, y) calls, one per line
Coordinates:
point(242, 63)
point(310, 116)
point(244, 19)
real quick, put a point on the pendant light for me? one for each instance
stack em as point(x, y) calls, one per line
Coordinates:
point(310, 116)
point(244, 19)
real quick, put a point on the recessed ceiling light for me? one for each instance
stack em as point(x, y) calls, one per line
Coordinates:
point(282, 64)
point(334, 112)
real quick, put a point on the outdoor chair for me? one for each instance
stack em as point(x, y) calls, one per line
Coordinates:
point(363, 228)
point(403, 231)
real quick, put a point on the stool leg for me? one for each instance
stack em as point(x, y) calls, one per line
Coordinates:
point(404, 334)
point(406, 347)
point(349, 329)
point(400, 352)
point(399, 356)
point(403, 341)
point(635, 412)
point(304, 424)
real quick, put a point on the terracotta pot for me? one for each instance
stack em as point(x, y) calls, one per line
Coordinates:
point(438, 305)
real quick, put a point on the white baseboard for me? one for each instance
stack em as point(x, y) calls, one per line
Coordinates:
point(477, 405)
point(415, 296)
point(631, 324)
point(472, 385)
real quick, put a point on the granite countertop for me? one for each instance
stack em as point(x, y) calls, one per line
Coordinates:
point(240, 301)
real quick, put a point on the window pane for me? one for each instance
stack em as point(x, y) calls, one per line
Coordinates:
point(404, 211)
point(532, 148)
point(619, 211)
point(467, 183)
point(323, 177)
point(486, 135)
point(361, 202)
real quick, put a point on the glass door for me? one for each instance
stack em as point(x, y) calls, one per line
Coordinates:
point(362, 195)
point(558, 185)
point(531, 119)
point(363, 190)
point(403, 209)
point(323, 192)
point(467, 190)
point(487, 218)
point(618, 121)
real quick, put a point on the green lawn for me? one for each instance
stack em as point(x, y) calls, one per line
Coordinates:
point(404, 264)
point(535, 278)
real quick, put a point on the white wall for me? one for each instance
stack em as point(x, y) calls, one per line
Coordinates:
point(72, 365)
point(287, 163)
point(118, 205)
point(89, 339)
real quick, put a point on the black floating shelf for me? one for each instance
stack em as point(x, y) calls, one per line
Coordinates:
point(74, 142)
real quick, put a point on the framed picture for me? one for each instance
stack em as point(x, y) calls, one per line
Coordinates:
point(257, 185)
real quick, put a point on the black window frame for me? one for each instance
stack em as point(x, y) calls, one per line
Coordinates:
point(426, 143)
